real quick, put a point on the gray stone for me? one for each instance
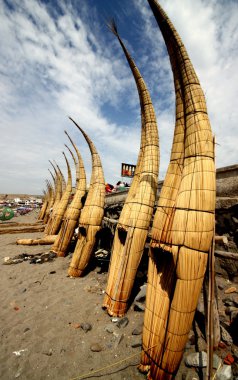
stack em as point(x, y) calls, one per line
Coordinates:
point(230, 309)
point(137, 332)
point(225, 336)
point(86, 327)
point(197, 359)
point(221, 286)
point(123, 322)
point(118, 339)
point(95, 347)
point(48, 352)
point(217, 362)
point(109, 329)
point(224, 373)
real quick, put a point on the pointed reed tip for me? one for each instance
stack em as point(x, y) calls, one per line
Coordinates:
point(112, 26)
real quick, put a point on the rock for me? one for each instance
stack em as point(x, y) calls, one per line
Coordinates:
point(115, 319)
point(86, 327)
point(26, 329)
point(118, 339)
point(230, 309)
point(224, 373)
point(225, 336)
point(232, 289)
point(217, 362)
point(18, 373)
point(197, 359)
point(123, 322)
point(48, 353)
point(95, 347)
point(137, 332)
point(228, 301)
point(136, 342)
point(221, 286)
point(141, 295)
point(109, 329)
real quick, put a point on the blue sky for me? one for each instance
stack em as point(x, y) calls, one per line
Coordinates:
point(58, 59)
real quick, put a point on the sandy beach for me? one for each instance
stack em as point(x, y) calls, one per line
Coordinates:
point(41, 313)
point(53, 326)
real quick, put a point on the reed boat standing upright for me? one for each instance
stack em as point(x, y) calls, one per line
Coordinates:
point(132, 228)
point(180, 241)
point(91, 215)
point(71, 217)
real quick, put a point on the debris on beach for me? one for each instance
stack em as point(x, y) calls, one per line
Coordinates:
point(38, 258)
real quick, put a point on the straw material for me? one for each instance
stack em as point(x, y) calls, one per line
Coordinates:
point(49, 239)
point(183, 225)
point(134, 221)
point(72, 213)
point(58, 214)
point(44, 205)
point(57, 198)
point(91, 215)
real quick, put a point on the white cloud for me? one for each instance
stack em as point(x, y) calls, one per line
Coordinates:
point(54, 64)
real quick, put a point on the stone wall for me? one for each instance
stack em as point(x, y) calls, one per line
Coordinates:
point(227, 181)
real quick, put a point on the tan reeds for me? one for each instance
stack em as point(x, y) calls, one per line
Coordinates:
point(57, 197)
point(91, 215)
point(72, 213)
point(134, 221)
point(45, 204)
point(44, 241)
point(183, 225)
point(58, 214)
point(50, 202)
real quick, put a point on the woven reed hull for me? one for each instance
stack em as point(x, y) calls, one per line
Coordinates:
point(83, 250)
point(172, 304)
point(43, 210)
point(123, 269)
point(44, 241)
point(54, 226)
point(160, 283)
point(69, 224)
point(64, 237)
point(138, 208)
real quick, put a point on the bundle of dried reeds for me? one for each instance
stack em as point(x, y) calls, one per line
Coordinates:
point(45, 203)
point(58, 213)
point(91, 215)
point(72, 213)
point(134, 221)
point(183, 225)
point(52, 192)
point(44, 241)
point(57, 197)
